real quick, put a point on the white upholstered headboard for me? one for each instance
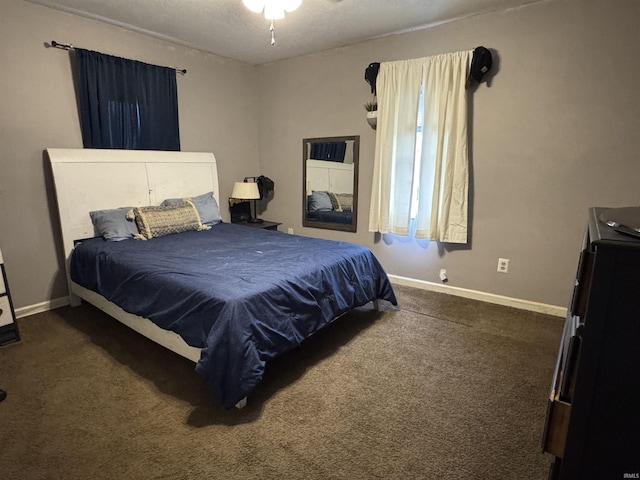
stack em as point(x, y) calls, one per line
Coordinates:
point(95, 179)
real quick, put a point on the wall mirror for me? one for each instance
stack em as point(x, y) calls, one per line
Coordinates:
point(330, 182)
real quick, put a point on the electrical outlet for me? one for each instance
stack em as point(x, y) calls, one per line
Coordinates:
point(443, 275)
point(290, 231)
point(503, 265)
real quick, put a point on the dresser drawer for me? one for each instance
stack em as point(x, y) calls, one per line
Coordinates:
point(583, 284)
point(3, 287)
point(556, 426)
point(558, 408)
point(6, 316)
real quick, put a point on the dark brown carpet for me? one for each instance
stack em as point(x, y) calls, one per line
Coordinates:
point(440, 388)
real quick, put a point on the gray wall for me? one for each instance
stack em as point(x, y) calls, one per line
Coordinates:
point(217, 105)
point(553, 133)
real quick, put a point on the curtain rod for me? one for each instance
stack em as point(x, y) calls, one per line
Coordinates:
point(68, 46)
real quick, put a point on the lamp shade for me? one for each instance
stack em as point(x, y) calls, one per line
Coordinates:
point(273, 9)
point(254, 5)
point(291, 5)
point(245, 191)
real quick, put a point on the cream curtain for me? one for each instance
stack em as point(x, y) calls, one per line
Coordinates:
point(442, 178)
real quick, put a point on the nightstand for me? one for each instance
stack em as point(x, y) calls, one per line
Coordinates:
point(266, 225)
point(8, 327)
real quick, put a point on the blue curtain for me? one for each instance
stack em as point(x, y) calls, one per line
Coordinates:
point(126, 104)
point(331, 151)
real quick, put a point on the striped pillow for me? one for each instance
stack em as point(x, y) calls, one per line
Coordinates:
point(342, 202)
point(159, 221)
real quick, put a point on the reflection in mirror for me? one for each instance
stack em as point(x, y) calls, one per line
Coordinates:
point(330, 182)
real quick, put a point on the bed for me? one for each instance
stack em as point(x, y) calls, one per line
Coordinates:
point(229, 298)
point(329, 192)
point(344, 217)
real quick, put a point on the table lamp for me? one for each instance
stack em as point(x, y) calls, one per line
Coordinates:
point(247, 191)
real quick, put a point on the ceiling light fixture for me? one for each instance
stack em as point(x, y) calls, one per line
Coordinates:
point(273, 10)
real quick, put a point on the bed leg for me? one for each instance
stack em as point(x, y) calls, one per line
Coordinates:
point(376, 304)
point(241, 403)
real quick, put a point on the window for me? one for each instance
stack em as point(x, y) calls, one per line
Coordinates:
point(421, 158)
point(126, 104)
point(415, 191)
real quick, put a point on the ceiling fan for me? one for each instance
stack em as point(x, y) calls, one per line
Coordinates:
point(274, 10)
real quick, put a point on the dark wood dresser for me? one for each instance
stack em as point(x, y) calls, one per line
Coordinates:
point(592, 427)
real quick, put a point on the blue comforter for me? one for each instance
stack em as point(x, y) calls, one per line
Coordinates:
point(242, 295)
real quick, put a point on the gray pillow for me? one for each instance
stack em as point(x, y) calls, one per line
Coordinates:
point(319, 202)
point(205, 204)
point(113, 224)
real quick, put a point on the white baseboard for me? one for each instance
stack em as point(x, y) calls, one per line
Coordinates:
point(409, 282)
point(482, 296)
point(41, 307)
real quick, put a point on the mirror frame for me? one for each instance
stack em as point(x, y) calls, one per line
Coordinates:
point(356, 161)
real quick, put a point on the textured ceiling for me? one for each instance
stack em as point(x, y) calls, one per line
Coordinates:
point(227, 28)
